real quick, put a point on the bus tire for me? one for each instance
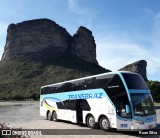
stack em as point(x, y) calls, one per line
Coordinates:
point(49, 116)
point(104, 123)
point(91, 122)
point(54, 116)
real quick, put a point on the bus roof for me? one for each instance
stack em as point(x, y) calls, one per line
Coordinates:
point(116, 72)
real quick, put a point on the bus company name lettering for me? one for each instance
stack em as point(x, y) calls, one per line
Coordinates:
point(86, 96)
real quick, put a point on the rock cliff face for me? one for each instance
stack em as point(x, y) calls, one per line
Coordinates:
point(83, 44)
point(137, 67)
point(33, 38)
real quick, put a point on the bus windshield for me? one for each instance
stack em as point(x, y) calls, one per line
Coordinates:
point(142, 104)
point(134, 81)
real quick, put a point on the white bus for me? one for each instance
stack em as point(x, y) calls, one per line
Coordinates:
point(119, 100)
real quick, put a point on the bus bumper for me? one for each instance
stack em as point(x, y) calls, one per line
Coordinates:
point(143, 126)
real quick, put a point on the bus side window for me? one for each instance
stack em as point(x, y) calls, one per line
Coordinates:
point(121, 102)
point(90, 83)
point(67, 87)
point(115, 88)
point(42, 91)
point(73, 104)
point(52, 90)
point(79, 85)
point(73, 87)
point(103, 80)
point(49, 90)
point(85, 105)
point(46, 90)
point(59, 88)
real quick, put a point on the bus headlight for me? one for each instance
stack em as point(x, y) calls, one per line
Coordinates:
point(140, 122)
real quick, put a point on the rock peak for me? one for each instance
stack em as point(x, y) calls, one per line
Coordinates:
point(84, 29)
point(33, 38)
point(83, 45)
point(137, 67)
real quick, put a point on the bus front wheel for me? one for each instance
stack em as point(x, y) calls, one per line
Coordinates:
point(104, 123)
point(91, 122)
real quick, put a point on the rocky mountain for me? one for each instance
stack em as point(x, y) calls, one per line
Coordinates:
point(137, 67)
point(37, 39)
point(83, 44)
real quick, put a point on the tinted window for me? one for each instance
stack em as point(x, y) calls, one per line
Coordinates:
point(89, 83)
point(134, 81)
point(64, 105)
point(71, 104)
point(68, 87)
point(103, 80)
point(42, 91)
point(85, 105)
point(115, 88)
point(52, 89)
point(45, 90)
point(121, 103)
point(78, 85)
point(59, 88)
point(142, 104)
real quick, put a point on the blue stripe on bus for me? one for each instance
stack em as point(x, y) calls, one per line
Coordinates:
point(53, 99)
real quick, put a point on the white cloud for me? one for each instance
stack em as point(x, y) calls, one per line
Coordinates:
point(115, 52)
point(74, 7)
point(149, 11)
point(85, 15)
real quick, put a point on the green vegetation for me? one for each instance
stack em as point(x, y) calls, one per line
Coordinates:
point(20, 80)
point(154, 86)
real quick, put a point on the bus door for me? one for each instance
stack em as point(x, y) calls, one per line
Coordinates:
point(75, 111)
point(79, 114)
point(123, 113)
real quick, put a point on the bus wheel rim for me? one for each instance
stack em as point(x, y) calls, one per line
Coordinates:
point(49, 115)
point(105, 123)
point(91, 121)
point(54, 116)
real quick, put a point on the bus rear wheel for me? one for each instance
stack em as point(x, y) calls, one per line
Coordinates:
point(104, 123)
point(54, 116)
point(49, 116)
point(91, 122)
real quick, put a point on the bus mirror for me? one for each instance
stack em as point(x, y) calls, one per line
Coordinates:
point(128, 109)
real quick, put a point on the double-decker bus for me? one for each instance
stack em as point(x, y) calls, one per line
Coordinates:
point(119, 100)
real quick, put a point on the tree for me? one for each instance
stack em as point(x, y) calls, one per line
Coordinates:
point(154, 87)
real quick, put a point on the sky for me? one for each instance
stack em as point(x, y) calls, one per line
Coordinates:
point(125, 31)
